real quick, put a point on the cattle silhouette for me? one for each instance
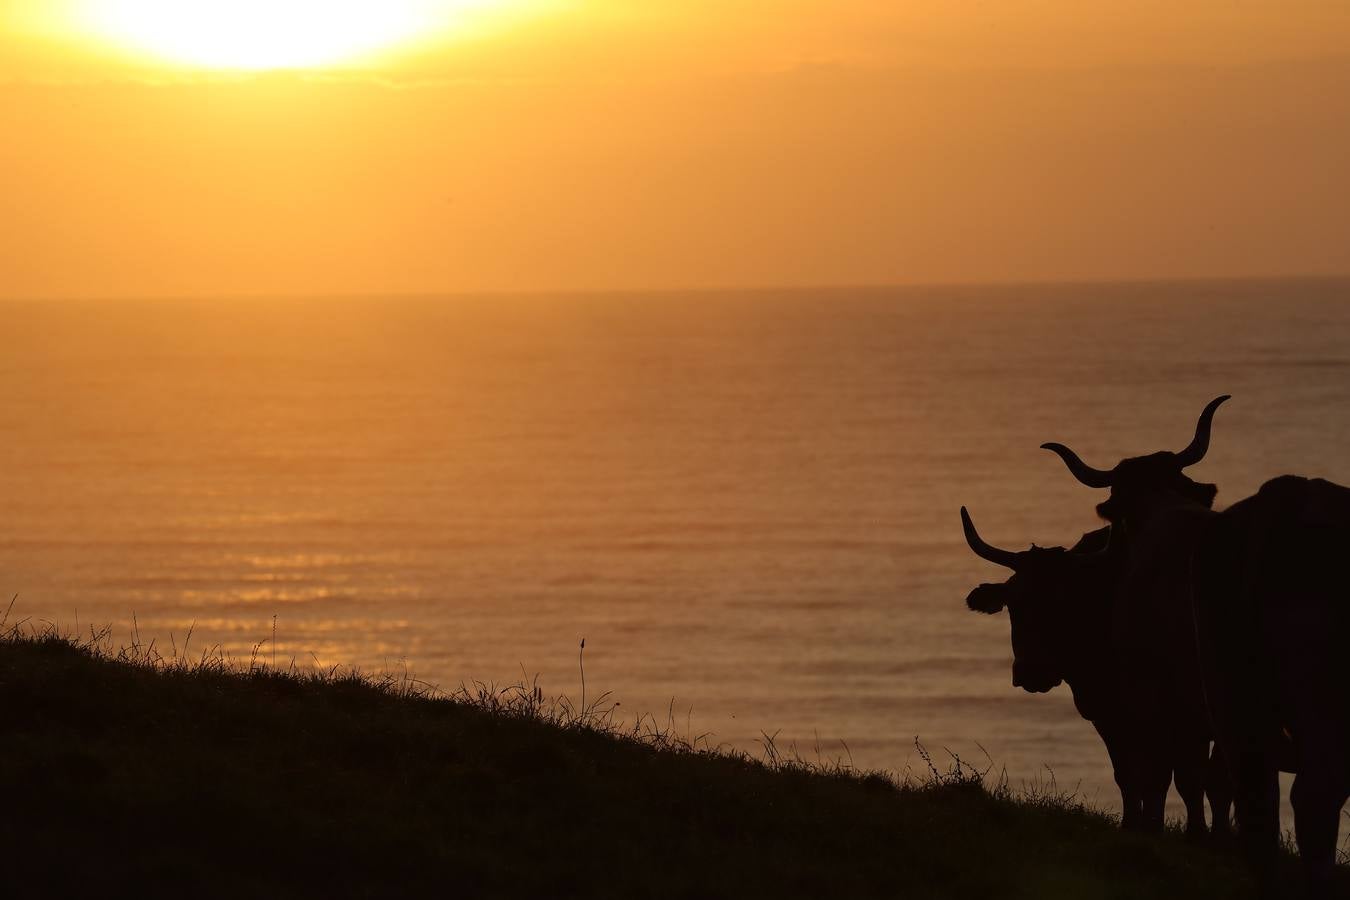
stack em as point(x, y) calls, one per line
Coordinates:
point(1061, 604)
point(1247, 610)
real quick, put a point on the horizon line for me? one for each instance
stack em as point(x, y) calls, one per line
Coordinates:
point(688, 289)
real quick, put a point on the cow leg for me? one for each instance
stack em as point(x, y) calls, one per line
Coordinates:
point(1155, 777)
point(1256, 790)
point(1192, 759)
point(1317, 802)
point(1131, 809)
point(1219, 789)
point(1320, 790)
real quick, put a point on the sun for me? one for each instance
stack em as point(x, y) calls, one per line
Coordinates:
point(255, 35)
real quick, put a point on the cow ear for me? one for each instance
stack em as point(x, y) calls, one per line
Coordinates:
point(988, 598)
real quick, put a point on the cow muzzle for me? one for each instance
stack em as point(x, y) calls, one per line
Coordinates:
point(1034, 682)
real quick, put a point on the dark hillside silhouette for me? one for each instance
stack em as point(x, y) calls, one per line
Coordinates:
point(208, 782)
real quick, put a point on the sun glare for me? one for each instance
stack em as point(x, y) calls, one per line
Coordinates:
point(269, 34)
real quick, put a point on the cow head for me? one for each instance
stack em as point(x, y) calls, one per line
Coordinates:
point(1139, 483)
point(1058, 603)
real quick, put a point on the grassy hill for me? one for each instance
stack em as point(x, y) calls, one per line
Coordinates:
point(121, 775)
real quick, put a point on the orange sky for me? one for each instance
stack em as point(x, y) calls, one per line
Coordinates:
point(584, 144)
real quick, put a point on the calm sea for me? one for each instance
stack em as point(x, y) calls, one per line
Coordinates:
point(745, 502)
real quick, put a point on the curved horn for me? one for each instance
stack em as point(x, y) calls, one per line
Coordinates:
point(1200, 443)
point(1093, 478)
point(1005, 558)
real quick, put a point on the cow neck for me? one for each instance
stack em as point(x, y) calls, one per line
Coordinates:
point(1142, 515)
point(1088, 664)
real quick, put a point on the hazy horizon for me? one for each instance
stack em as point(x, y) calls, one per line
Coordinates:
point(746, 289)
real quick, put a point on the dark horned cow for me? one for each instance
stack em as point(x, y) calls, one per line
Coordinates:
point(1263, 589)
point(1060, 606)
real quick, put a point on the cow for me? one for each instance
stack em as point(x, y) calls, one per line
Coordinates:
point(1060, 605)
point(1263, 591)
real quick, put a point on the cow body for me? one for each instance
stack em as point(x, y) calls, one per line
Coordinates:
point(1260, 586)
point(1153, 636)
point(1272, 614)
point(1062, 610)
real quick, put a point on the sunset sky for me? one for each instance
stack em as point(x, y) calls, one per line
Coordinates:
point(595, 144)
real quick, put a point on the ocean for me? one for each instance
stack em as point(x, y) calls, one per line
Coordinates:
point(745, 502)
